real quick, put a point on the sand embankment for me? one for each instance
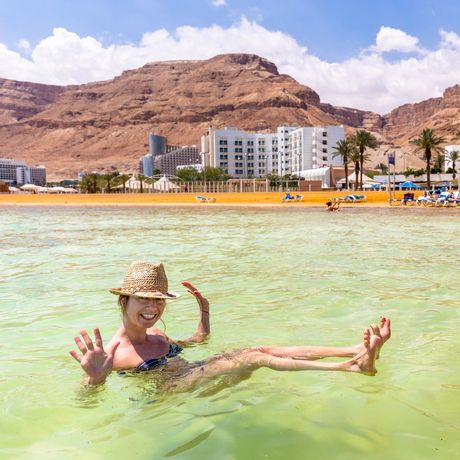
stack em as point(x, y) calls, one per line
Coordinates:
point(161, 199)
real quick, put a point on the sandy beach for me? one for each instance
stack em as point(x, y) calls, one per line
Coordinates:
point(379, 199)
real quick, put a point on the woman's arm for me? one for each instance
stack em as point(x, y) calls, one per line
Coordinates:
point(204, 328)
point(95, 361)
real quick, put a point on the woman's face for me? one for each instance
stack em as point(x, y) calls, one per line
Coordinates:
point(144, 312)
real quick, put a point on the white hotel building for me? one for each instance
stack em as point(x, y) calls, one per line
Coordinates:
point(288, 151)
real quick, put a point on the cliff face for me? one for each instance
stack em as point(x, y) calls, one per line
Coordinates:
point(104, 125)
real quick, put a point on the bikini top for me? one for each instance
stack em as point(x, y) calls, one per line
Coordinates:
point(153, 363)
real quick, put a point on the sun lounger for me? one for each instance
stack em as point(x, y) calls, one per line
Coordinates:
point(203, 199)
point(287, 197)
point(354, 198)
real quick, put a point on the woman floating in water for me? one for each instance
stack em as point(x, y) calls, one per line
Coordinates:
point(139, 346)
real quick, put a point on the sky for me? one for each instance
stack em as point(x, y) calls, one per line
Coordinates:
point(369, 55)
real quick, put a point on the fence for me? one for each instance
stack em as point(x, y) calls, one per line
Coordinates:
point(231, 186)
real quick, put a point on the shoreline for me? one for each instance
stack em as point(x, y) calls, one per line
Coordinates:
point(237, 199)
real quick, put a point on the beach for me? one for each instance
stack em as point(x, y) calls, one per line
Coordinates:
point(316, 199)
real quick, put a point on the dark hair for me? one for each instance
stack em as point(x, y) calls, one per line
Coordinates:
point(122, 301)
point(329, 203)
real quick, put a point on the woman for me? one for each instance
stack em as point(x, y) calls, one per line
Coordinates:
point(139, 346)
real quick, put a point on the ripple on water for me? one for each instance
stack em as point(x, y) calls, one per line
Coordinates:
point(285, 278)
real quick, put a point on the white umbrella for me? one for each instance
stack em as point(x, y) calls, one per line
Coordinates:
point(164, 184)
point(30, 187)
point(14, 190)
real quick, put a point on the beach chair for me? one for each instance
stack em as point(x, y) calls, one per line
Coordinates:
point(287, 197)
point(204, 199)
point(354, 198)
point(408, 199)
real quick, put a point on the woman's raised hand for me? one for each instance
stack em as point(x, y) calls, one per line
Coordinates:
point(95, 361)
point(202, 301)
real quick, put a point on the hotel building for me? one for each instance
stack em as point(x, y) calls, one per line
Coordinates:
point(288, 151)
point(15, 172)
point(182, 156)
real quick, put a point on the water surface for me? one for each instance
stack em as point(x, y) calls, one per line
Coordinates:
point(284, 277)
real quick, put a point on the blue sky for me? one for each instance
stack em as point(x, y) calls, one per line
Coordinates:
point(356, 52)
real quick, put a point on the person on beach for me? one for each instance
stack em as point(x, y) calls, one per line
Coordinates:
point(332, 206)
point(138, 346)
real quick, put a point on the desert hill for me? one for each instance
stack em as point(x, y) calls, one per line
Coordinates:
point(104, 125)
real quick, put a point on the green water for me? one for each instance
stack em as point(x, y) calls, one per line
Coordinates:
point(285, 277)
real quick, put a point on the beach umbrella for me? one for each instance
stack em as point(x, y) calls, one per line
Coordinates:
point(30, 187)
point(409, 184)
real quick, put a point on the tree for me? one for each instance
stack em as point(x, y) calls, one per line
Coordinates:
point(453, 157)
point(355, 158)
point(214, 174)
point(382, 167)
point(90, 183)
point(189, 174)
point(141, 178)
point(344, 149)
point(108, 177)
point(363, 140)
point(428, 142)
point(121, 179)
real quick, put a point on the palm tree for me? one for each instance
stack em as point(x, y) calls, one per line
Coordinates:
point(453, 157)
point(109, 177)
point(89, 183)
point(363, 140)
point(355, 158)
point(382, 167)
point(344, 148)
point(141, 178)
point(428, 142)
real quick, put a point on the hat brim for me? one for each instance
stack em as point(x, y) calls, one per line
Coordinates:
point(145, 294)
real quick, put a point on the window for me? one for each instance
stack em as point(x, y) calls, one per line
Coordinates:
point(238, 150)
point(223, 157)
point(251, 172)
point(261, 142)
point(223, 149)
point(262, 149)
point(250, 165)
point(324, 150)
point(222, 141)
point(324, 142)
point(238, 171)
point(238, 142)
point(324, 133)
point(238, 157)
point(250, 150)
point(250, 157)
point(250, 143)
point(238, 165)
point(324, 158)
point(223, 164)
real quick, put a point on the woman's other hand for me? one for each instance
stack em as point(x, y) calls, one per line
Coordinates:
point(95, 361)
point(202, 301)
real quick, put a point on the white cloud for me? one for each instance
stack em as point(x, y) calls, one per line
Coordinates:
point(366, 81)
point(219, 2)
point(389, 39)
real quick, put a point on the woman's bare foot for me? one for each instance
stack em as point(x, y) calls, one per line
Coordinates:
point(364, 362)
point(384, 331)
point(385, 328)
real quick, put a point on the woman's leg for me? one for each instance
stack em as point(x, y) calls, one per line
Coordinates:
point(312, 353)
point(244, 362)
point(363, 363)
point(309, 353)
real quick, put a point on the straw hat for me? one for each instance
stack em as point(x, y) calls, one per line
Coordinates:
point(145, 280)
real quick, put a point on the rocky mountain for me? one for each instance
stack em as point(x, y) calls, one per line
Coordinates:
point(104, 125)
